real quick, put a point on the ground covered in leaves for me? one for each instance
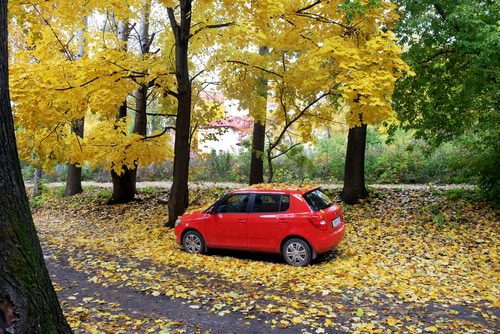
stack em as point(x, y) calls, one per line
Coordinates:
point(412, 261)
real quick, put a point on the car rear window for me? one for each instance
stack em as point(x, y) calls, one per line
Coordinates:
point(271, 203)
point(317, 200)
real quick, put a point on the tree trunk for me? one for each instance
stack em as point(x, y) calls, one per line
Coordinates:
point(354, 178)
point(74, 176)
point(179, 200)
point(124, 185)
point(259, 133)
point(257, 162)
point(37, 183)
point(270, 167)
point(28, 303)
point(141, 118)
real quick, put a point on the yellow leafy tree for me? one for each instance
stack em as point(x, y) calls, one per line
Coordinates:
point(325, 57)
point(53, 88)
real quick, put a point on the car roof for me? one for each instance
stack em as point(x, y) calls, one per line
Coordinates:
point(277, 188)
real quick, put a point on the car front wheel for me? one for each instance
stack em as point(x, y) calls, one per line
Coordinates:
point(297, 252)
point(193, 242)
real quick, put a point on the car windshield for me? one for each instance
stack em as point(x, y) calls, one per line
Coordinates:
point(317, 200)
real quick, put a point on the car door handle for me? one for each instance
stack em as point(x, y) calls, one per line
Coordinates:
point(283, 220)
point(241, 221)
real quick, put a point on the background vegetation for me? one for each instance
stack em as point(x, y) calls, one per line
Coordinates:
point(397, 159)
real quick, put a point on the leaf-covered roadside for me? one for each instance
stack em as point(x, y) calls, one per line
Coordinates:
point(412, 261)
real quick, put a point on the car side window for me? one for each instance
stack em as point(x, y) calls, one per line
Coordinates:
point(285, 203)
point(236, 203)
point(271, 203)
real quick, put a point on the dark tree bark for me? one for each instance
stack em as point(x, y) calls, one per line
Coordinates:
point(74, 176)
point(124, 185)
point(141, 118)
point(257, 162)
point(354, 176)
point(28, 303)
point(178, 200)
point(270, 167)
point(259, 134)
point(179, 193)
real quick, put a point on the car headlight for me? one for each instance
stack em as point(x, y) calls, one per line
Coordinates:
point(336, 222)
point(177, 222)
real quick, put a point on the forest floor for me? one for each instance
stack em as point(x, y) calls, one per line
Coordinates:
point(413, 261)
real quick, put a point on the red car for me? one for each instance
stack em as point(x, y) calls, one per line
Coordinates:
point(297, 223)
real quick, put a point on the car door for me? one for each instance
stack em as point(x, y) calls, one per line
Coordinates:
point(268, 220)
point(226, 226)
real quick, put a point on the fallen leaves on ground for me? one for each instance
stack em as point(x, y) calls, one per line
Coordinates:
point(411, 261)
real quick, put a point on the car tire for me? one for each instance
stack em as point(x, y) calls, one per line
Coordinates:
point(193, 242)
point(297, 252)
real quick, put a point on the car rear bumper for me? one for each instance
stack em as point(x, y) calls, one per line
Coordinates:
point(329, 241)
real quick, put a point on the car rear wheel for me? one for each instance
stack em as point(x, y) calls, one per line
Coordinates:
point(193, 242)
point(297, 252)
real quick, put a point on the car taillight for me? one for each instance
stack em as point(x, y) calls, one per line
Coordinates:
point(318, 222)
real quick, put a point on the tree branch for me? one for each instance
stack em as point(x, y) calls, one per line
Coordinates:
point(212, 26)
point(254, 66)
point(159, 134)
point(308, 7)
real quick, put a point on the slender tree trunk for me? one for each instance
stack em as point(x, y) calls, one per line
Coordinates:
point(179, 196)
point(270, 167)
point(141, 118)
point(37, 183)
point(28, 303)
point(74, 176)
point(259, 134)
point(354, 177)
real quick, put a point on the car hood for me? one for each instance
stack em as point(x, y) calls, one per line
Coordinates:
point(193, 215)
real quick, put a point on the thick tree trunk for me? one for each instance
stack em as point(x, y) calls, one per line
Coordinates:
point(354, 179)
point(74, 176)
point(37, 183)
point(179, 200)
point(124, 185)
point(257, 162)
point(259, 133)
point(28, 303)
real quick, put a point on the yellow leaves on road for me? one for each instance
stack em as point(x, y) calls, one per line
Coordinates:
point(394, 257)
